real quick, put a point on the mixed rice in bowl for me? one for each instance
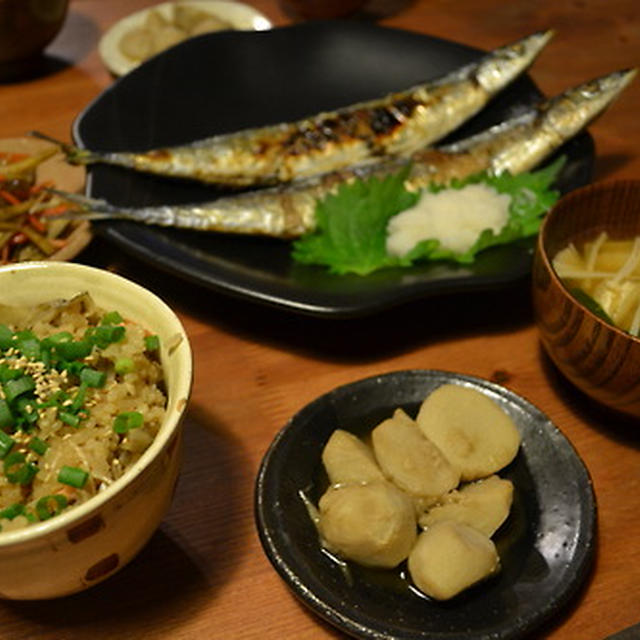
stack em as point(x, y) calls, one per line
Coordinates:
point(81, 398)
point(95, 376)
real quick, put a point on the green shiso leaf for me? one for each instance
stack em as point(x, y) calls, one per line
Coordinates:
point(351, 226)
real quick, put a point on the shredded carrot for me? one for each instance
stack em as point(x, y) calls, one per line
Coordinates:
point(11, 157)
point(68, 492)
point(9, 197)
point(36, 223)
point(26, 208)
point(52, 211)
point(45, 184)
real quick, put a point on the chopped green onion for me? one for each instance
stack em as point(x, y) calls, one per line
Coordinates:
point(12, 511)
point(26, 409)
point(45, 358)
point(57, 338)
point(152, 343)
point(69, 418)
point(75, 350)
point(6, 417)
point(127, 420)
point(6, 337)
point(26, 474)
point(38, 445)
point(79, 397)
point(17, 470)
point(15, 388)
point(56, 399)
point(124, 365)
point(105, 334)
point(12, 459)
point(73, 368)
point(49, 506)
point(113, 333)
point(93, 377)
point(28, 344)
point(8, 373)
point(25, 334)
point(112, 317)
point(73, 476)
point(6, 443)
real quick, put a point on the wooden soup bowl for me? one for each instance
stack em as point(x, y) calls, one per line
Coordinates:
point(599, 359)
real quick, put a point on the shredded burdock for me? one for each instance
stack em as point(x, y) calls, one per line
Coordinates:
point(30, 226)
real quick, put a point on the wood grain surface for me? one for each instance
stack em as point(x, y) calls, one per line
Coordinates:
point(203, 574)
point(597, 357)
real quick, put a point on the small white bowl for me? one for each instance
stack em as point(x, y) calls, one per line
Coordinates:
point(90, 542)
point(239, 15)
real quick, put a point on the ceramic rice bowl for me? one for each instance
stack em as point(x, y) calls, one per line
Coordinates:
point(91, 541)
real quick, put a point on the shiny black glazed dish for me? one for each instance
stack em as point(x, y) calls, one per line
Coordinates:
point(546, 546)
point(228, 81)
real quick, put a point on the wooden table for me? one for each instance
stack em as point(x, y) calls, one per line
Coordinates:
point(203, 574)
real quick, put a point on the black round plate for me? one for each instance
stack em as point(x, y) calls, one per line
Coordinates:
point(546, 546)
point(223, 82)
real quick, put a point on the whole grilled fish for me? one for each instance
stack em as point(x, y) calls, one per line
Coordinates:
point(288, 211)
point(397, 124)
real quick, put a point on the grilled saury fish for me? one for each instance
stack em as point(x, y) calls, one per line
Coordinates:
point(288, 211)
point(399, 123)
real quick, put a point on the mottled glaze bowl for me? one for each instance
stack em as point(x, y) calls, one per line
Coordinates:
point(599, 359)
point(90, 542)
point(546, 547)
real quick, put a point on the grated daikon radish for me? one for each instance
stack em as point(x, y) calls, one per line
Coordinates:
point(455, 217)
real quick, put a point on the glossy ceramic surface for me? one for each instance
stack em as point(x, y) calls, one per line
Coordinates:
point(90, 542)
point(237, 14)
point(269, 77)
point(601, 360)
point(546, 546)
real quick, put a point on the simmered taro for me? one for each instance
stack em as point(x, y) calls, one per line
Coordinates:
point(424, 492)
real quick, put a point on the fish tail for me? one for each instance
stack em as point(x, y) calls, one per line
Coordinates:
point(74, 154)
point(97, 209)
point(86, 208)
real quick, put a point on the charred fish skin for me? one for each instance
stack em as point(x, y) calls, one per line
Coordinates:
point(396, 124)
point(288, 211)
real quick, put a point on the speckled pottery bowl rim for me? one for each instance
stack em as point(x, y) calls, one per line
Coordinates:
point(547, 260)
point(182, 389)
